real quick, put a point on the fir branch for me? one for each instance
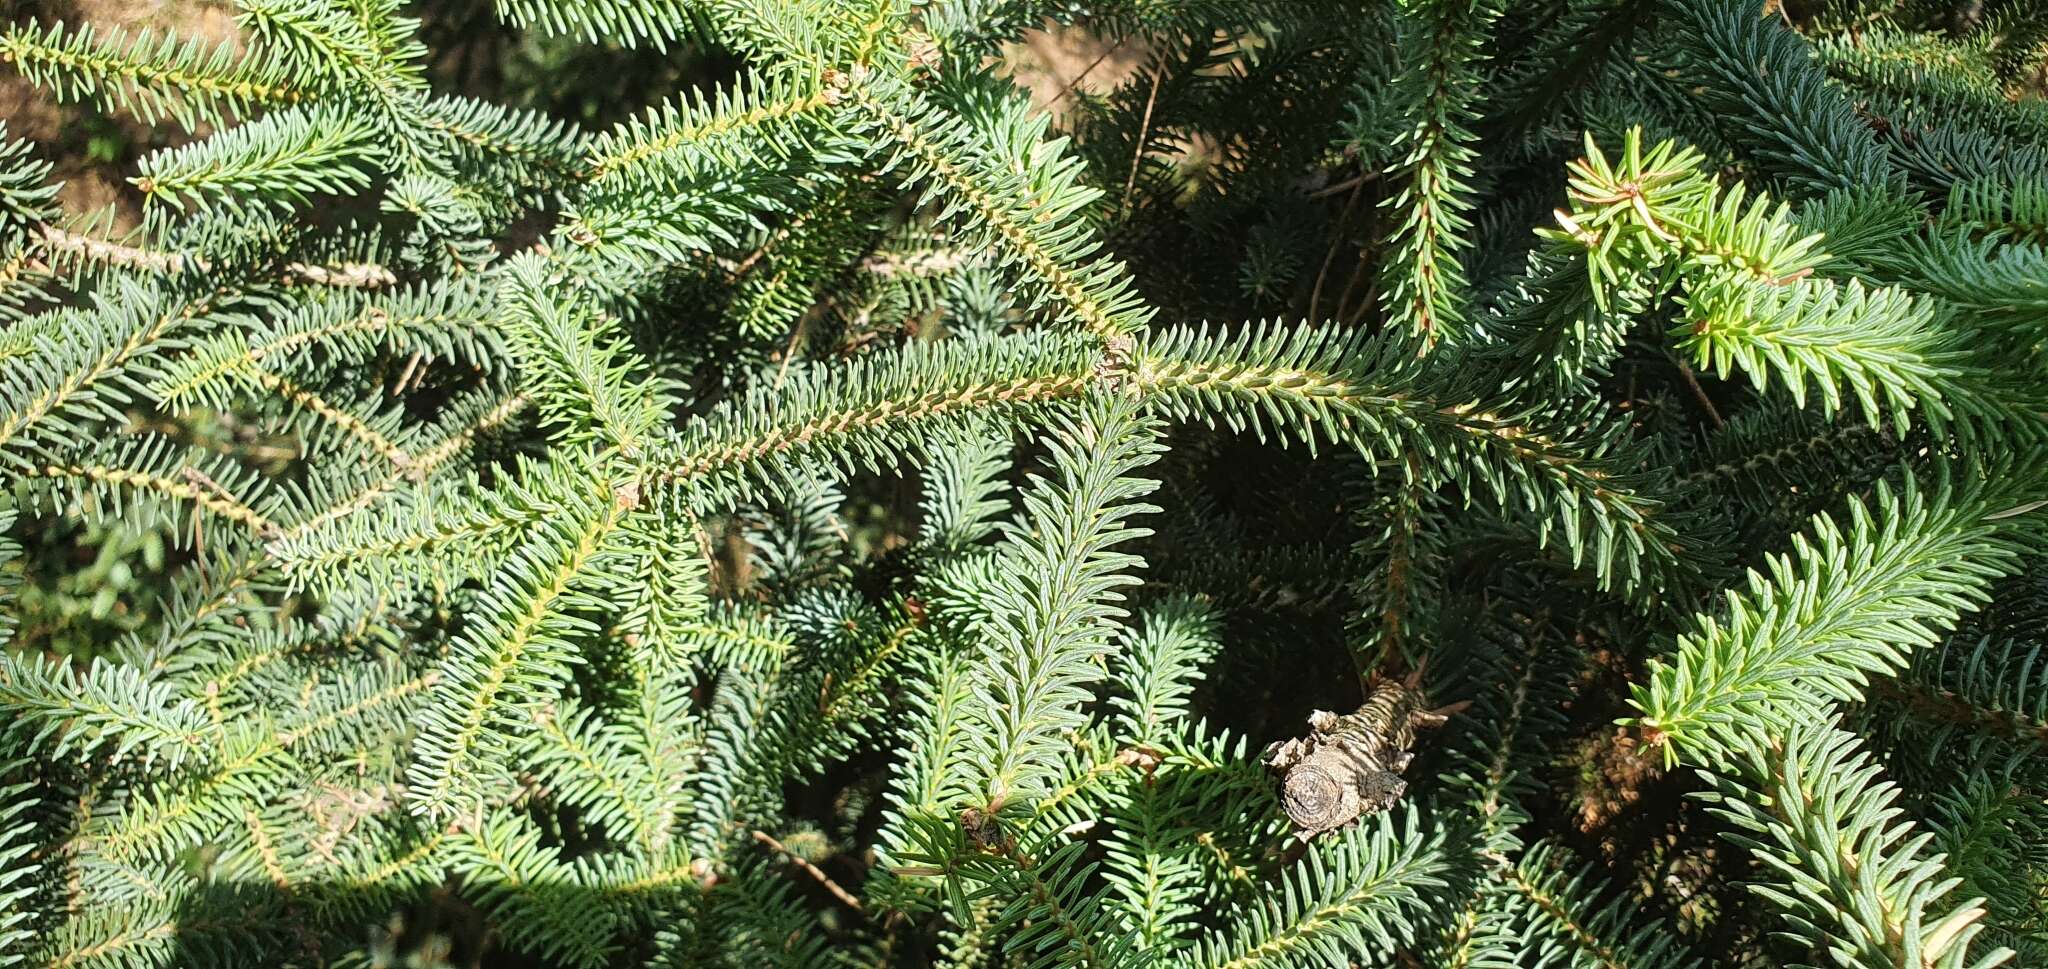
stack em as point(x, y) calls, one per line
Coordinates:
point(1751, 301)
point(756, 109)
point(1948, 706)
point(576, 364)
point(1148, 865)
point(1004, 205)
point(588, 768)
point(623, 21)
point(192, 486)
point(1856, 879)
point(1596, 935)
point(153, 77)
point(1302, 384)
point(845, 898)
point(355, 705)
point(1159, 666)
point(356, 427)
point(152, 934)
point(74, 245)
point(1888, 348)
point(82, 379)
point(279, 159)
point(346, 275)
point(2003, 287)
point(371, 61)
point(105, 708)
point(1423, 285)
point(1049, 624)
point(2017, 209)
point(158, 827)
point(1315, 382)
point(1398, 585)
point(424, 463)
point(517, 650)
point(1976, 693)
point(492, 133)
point(1851, 603)
point(1758, 76)
point(457, 524)
point(769, 578)
point(1993, 842)
point(1348, 896)
point(861, 412)
point(253, 761)
point(20, 868)
point(534, 896)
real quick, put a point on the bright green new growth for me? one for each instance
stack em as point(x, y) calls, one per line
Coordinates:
point(851, 512)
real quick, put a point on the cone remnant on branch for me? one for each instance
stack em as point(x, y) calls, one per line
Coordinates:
point(1350, 766)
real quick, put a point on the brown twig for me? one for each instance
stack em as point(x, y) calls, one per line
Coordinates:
point(1068, 88)
point(1315, 295)
point(1345, 185)
point(1701, 393)
point(1358, 275)
point(796, 332)
point(412, 365)
point(811, 870)
point(1144, 131)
